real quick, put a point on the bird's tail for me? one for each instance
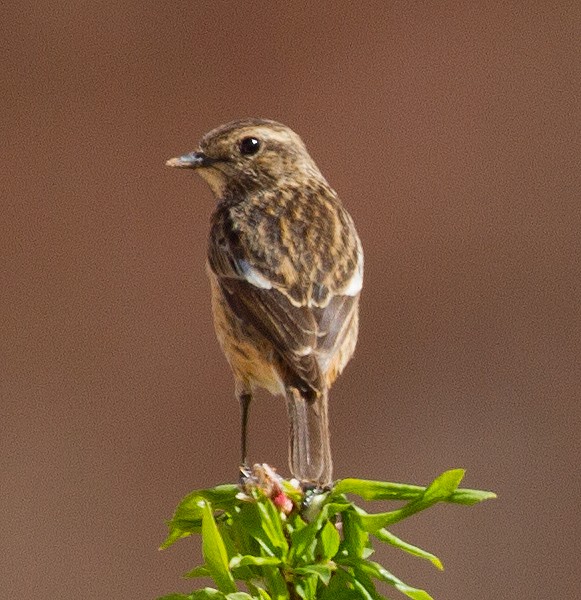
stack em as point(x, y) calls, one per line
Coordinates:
point(310, 449)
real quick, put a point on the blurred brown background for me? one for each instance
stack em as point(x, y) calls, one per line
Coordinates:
point(450, 130)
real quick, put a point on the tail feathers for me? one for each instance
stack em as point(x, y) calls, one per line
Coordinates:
point(310, 450)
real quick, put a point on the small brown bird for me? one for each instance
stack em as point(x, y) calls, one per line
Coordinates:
point(286, 268)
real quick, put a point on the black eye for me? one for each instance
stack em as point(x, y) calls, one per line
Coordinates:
point(249, 146)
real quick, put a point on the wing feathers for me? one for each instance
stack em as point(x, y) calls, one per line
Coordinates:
point(301, 297)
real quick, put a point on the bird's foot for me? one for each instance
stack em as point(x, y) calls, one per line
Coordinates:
point(244, 474)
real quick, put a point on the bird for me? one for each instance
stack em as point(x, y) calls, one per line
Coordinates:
point(285, 265)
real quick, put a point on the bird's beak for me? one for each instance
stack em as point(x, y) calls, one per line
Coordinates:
point(193, 160)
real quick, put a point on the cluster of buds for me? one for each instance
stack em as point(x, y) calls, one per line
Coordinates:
point(264, 478)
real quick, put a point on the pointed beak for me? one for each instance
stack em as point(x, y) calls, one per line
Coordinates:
point(193, 160)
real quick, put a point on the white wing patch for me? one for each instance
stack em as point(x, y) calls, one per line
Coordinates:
point(355, 284)
point(304, 351)
point(253, 276)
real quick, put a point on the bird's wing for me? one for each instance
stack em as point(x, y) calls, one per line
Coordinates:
point(306, 319)
point(292, 330)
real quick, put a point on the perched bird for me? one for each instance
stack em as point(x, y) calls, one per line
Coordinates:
point(286, 268)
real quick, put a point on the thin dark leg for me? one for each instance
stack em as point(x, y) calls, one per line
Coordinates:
point(244, 399)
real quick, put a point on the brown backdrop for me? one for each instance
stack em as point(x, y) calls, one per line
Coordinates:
point(450, 130)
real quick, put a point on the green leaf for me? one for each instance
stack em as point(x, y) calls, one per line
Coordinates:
point(191, 507)
point(275, 583)
point(389, 538)
point(257, 591)
point(363, 583)
point(344, 587)
point(443, 486)
point(382, 490)
point(270, 521)
point(355, 538)
point(375, 570)
point(201, 571)
point(220, 496)
point(207, 594)
point(303, 542)
point(441, 489)
point(306, 587)
point(404, 588)
point(331, 509)
point(376, 521)
point(239, 596)
point(243, 539)
point(377, 490)
point(470, 497)
point(322, 570)
point(250, 520)
point(177, 532)
point(329, 540)
point(338, 587)
point(258, 561)
point(215, 553)
point(187, 518)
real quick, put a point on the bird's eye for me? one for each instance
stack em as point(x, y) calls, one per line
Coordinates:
point(249, 146)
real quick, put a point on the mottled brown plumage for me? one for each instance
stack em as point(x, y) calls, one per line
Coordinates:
point(286, 268)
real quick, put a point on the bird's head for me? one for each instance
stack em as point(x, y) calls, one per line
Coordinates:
point(250, 153)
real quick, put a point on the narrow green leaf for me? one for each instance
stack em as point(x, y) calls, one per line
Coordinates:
point(355, 538)
point(377, 490)
point(342, 587)
point(264, 595)
point(382, 490)
point(275, 583)
point(389, 538)
point(443, 486)
point(239, 596)
point(207, 594)
point(303, 540)
point(470, 497)
point(270, 521)
point(259, 561)
point(441, 489)
point(322, 570)
point(363, 583)
point(177, 532)
point(404, 588)
point(329, 540)
point(220, 497)
point(306, 587)
point(215, 553)
point(333, 508)
point(243, 538)
point(375, 570)
point(372, 523)
point(187, 518)
point(201, 571)
point(249, 519)
point(257, 591)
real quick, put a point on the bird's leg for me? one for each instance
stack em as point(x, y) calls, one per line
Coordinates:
point(244, 398)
